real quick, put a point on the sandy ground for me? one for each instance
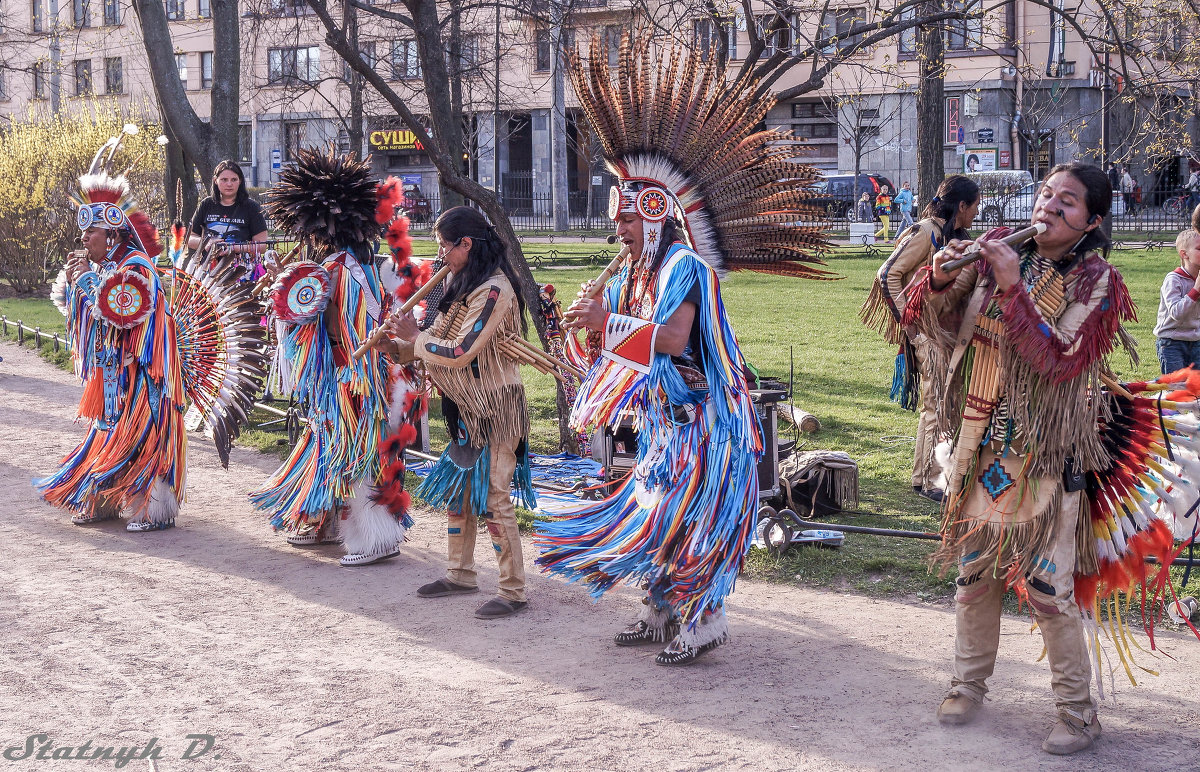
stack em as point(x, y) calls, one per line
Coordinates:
point(291, 662)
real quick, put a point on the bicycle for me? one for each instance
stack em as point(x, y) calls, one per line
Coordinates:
point(1176, 205)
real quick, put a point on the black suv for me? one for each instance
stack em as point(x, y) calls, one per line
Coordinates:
point(835, 192)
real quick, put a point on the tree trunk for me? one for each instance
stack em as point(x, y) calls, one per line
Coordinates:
point(448, 131)
point(931, 105)
point(179, 168)
point(204, 143)
point(354, 126)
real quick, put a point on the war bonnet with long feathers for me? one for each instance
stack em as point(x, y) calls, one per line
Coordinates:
point(667, 119)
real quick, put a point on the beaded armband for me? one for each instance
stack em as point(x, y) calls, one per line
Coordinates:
point(629, 341)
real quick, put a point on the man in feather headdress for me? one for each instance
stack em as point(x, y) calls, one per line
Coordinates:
point(702, 191)
point(122, 338)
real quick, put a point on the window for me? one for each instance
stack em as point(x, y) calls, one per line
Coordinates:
point(810, 110)
point(245, 142)
point(285, 65)
point(780, 39)
point(542, 46)
point(113, 76)
point(83, 77)
point(707, 35)
point(367, 52)
point(81, 14)
point(289, 7)
point(3, 85)
point(963, 34)
point(814, 130)
point(174, 10)
point(206, 70)
point(405, 61)
point(203, 9)
point(37, 15)
point(39, 80)
point(181, 65)
point(908, 37)
point(112, 13)
point(293, 139)
point(612, 43)
point(468, 52)
point(837, 25)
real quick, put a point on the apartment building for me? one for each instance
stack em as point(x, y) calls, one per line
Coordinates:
point(1022, 91)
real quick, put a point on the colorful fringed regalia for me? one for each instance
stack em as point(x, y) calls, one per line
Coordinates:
point(144, 348)
point(329, 488)
point(1056, 470)
point(920, 366)
point(690, 157)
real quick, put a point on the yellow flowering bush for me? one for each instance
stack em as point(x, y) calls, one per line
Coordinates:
point(41, 159)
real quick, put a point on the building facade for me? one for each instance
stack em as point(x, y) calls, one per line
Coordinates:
point(1021, 91)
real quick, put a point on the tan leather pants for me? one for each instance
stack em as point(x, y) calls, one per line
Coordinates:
point(1052, 599)
point(501, 519)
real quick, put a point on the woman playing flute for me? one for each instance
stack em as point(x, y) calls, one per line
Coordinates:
point(1035, 325)
point(483, 400)
point(946, 217)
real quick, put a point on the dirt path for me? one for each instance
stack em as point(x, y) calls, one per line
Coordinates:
point(293, 663)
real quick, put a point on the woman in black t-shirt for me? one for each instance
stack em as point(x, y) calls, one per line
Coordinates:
point(230, 217)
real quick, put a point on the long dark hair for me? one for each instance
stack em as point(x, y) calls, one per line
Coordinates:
point(488, 253)
point(671, 233)
point(1097, 199)
point(954, 190)
point(229, 166)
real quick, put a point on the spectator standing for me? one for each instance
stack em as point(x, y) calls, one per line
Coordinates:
point(863, 212)
point(1177, 333)
point(904, 200)
point(1192, 186)
point(883, 210)
point(1129, 187)
point(1114, 176)
point(230, 217)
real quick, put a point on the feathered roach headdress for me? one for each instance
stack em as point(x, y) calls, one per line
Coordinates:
point(329, 198)
point(686, 144)
point(104, 201)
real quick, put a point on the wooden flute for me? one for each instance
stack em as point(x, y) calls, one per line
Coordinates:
point(1014, 239)
point(373, 339)
point(613, 266)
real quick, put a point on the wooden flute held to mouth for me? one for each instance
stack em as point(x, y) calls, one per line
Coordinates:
point(1014, 239)
point(379, 334)
point(613, 266)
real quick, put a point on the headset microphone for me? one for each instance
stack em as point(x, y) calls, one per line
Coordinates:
point(1063, 217)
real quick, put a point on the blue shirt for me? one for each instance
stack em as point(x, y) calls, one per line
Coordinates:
point(904, 200)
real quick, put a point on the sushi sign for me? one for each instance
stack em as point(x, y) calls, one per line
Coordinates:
point(394, 139)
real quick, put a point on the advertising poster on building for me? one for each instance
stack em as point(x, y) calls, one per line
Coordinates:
point(979, 159)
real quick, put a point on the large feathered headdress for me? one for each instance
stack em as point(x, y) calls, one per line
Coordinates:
point(686, 143)
point(327, 197)
point(104, 200)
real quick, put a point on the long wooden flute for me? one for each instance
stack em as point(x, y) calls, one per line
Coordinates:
point(373, 339)
point(1013, 239)
point(613, 266)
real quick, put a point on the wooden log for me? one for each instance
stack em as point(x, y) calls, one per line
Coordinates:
point(805, 422)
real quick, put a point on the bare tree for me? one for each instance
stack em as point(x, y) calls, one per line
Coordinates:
point(203, 143)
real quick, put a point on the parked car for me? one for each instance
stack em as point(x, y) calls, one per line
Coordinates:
point(836, 192)
point(417, 204)
point(1005, 197)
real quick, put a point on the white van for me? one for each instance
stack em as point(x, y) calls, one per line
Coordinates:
point(1005, 196)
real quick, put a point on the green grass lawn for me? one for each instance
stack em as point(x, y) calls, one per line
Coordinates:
point(842, 374)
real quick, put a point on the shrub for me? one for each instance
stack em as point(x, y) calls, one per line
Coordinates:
point(41, 158)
